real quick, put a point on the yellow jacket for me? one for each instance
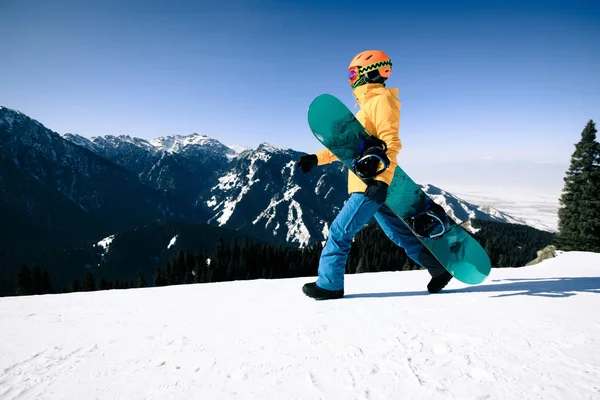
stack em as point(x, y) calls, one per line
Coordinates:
point(380, 115)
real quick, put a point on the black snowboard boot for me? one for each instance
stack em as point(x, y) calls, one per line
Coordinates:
point(436, 284)
point(317, 293)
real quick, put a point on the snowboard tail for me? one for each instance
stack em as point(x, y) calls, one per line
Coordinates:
point(336, 127)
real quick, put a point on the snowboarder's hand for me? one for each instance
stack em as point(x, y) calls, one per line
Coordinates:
point(377, 190)
point(308, 162)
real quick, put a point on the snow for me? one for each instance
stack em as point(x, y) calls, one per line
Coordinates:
point(262, 156)
point(319, 184)
point(271, 211)
point(212, 202)
point(237, 148)
point(297, 231)
point(111, 141)
point(105, 243)
point(537, 208)
point(229, 206)
point(230, 182)
point(172, 242)
point(175, 143)
point(325, 230)
point(291, 167)
point(461, 210)
point(525, 333)
point(270, 148)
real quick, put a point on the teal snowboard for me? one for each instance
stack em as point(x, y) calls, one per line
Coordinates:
point(335, 126)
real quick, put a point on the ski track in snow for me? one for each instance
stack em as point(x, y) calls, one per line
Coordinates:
point(528, 333)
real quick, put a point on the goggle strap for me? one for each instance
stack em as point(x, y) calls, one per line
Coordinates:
point(374, 66)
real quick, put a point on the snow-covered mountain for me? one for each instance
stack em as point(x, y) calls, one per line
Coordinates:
point(263, 188)
point(56, 195)
point(183, 164)
point(258, 191)
point(525, 333)
point(192, 145)
point(238, 149)
point(264, 194)
point(55, 185)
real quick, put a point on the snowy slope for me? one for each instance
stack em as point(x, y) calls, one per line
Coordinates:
point(528, 333)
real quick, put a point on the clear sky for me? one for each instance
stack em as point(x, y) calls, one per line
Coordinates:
point(497, 79)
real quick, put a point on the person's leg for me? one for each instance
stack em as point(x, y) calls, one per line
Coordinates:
point(355, 214)
point(402, 236)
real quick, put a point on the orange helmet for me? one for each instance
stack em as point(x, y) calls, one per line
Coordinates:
point(371, 66)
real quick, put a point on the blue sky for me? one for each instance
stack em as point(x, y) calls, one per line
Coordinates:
point(486, 79)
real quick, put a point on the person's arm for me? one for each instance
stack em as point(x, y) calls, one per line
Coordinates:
point(384, 112)
point(325, 156)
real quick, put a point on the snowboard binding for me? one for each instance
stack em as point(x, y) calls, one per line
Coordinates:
point(371, 153)
point(431, 223)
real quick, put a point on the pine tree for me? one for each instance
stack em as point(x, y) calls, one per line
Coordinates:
point(243, 265)
point(46, 284)
point(218, 264)
point(103, 284)
point(24, 282)
point(89, 283)
point(168, 274)
point(233, 261)
point(36, 280)
point(140, 282)
point(199, 265)
point(579, 215)
point(159, 278)
point(179, 268)
point(188, 277)
point(361, 267)
point(206, 271)
point(75, 286)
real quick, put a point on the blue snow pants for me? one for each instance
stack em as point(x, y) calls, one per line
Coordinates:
point(355, 214)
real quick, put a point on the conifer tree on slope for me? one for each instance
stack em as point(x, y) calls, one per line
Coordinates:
point(579, 215)
point(140, 282)
point(24, 282)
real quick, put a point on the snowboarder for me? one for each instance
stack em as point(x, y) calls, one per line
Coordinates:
point(379, 113)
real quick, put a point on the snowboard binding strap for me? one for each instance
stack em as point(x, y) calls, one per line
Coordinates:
point(432, 223)
point(371, 153)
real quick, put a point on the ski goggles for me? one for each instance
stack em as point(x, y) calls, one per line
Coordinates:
point(353, 75)
point(356, 74)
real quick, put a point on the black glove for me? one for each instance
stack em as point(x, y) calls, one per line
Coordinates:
point(306, 163)
point(377, 190)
